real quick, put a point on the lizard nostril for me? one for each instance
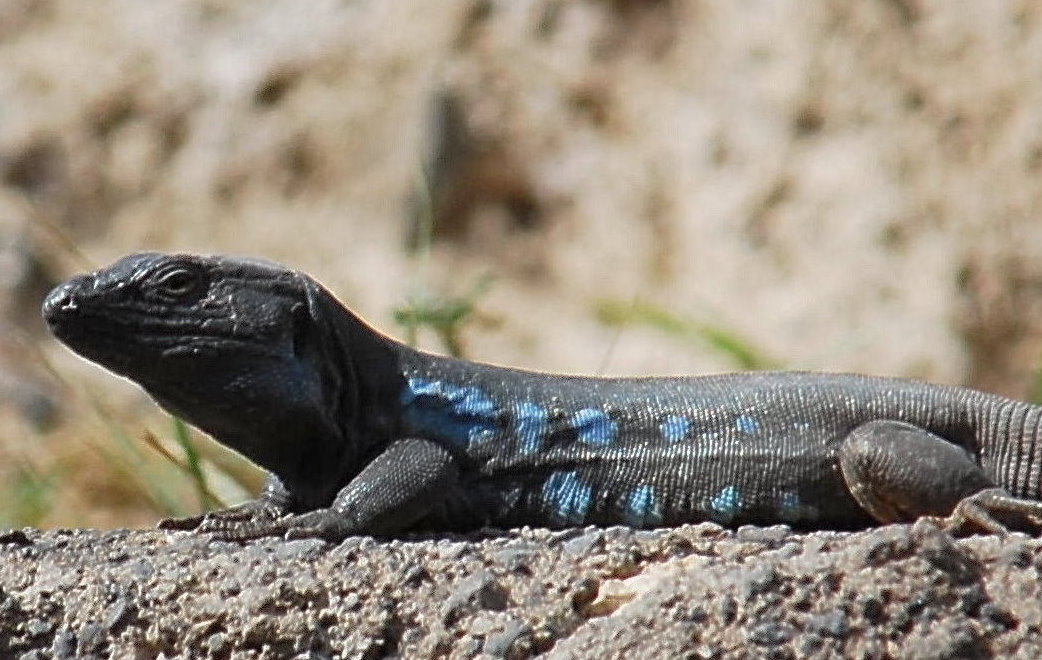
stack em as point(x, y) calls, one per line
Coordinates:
point(58, 302)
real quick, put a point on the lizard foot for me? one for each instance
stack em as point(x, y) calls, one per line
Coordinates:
point(996, 511)
point(254, 511)
point(322, 524)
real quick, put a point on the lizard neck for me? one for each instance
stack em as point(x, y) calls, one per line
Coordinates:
point(470, 407)
point(354, 412)
point(442, 399)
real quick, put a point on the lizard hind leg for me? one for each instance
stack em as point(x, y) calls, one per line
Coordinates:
point(898, 471)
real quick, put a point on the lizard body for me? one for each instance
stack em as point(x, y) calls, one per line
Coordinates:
point(362, 434)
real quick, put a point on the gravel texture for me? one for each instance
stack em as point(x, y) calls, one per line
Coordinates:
point(698, 591)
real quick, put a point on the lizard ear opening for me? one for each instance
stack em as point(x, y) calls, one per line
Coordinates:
point(320, 341)
point(301, 330)
point(308, 317)
point(314, 320)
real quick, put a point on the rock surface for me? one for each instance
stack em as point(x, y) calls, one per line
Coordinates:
point(697, 591)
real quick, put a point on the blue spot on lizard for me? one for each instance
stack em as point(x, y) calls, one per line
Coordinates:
point(463, 416)
point(674, 427)
point(530, 426)
point(568, 496)
point(792, 509)
point(642, 507)
point(726, 504)
point(594, 427)
point(747, 424)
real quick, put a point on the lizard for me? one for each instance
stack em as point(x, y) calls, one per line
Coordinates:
point(361, 434)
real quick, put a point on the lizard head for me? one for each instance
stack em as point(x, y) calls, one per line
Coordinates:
point(261, 357)
point(228, 344)
point(153, 315)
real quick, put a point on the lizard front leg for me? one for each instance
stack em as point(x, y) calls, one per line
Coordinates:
point(389, 495)
point(899, 472)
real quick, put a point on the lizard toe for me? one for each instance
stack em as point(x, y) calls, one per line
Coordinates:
point(186, 524)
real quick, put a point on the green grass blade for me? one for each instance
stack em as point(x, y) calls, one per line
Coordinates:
point(728, 343)
point(28, 495)
point(446, 316)
point(193, 464)
point(125, 456)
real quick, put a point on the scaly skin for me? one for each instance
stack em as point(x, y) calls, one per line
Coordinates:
point(364, 435)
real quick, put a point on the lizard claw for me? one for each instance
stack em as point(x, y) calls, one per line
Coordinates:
point(188, 523)
point(251, 531)
point(296, 533)
point(241, 534)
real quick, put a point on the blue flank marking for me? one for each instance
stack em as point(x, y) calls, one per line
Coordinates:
point(726, 504)
point(569, 497)
point(463, 416)
point(788, 506)
point(747, 424)
point(531, 425)
point(792, 509)
point(642, 507)
point(674, 427)
point(594, 427)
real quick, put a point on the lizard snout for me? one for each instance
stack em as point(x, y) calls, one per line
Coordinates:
point(61, 302)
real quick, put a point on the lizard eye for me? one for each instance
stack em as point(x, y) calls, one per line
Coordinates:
point(177, 282)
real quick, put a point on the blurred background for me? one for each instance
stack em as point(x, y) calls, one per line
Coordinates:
point(589, 186)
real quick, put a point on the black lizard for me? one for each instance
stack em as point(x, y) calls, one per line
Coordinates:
point(364, 435)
